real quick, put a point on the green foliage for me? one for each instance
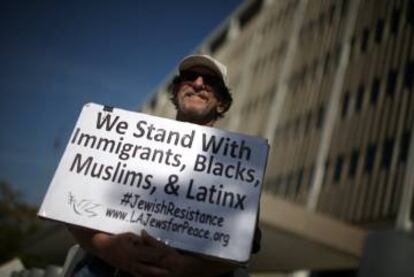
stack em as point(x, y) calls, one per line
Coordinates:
point(17, 221)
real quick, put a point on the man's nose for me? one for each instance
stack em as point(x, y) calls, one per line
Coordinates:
point(199, 82)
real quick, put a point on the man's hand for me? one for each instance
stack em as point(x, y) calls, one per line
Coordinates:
point(182, 265)
point(145, 256)
point(124, 251)
point(176, 263)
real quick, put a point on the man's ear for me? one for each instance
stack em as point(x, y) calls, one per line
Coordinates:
point(221, 108)
point(175, 88)
point(174, 91)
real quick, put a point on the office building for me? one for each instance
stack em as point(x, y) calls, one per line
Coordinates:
point(330, 85)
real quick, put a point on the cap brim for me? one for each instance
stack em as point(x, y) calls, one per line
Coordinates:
point(193, 61)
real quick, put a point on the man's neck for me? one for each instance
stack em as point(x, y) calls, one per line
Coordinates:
point(204, 122)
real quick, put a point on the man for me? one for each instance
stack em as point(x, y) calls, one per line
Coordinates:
point(201, 96)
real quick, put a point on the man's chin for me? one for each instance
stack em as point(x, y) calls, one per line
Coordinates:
point(195, 110)
point(196, 115)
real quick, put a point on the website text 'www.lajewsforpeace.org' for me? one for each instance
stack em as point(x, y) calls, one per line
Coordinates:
point(173, 218)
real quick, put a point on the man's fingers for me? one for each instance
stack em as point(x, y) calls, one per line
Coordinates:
point(142, 269)
point(132, 237)
point(151, 241)
point(147, 257)
point(147, 253)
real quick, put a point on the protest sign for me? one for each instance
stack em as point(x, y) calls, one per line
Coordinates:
point(196, 188)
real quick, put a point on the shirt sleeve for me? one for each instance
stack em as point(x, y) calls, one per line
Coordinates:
point(257, 237)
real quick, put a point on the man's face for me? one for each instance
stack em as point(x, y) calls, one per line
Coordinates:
point(197, 95)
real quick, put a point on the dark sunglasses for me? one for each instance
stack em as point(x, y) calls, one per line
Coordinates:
point(191, 76)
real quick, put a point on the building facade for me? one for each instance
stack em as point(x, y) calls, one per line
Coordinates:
point(330, 85)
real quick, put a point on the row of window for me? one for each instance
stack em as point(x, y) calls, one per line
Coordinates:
point(244, 19)
point(291, 183)
point(359, 96)
point(375, 88)
point(325, 18)
point(333, 58)
point(278, 19)
point(301, 124)
point(265, 62)
point(393, 22)
point(257, 102)
point(378, 33)
point(307, 72)
point(371, 153)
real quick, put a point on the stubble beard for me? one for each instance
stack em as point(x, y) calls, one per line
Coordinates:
point(195, 116)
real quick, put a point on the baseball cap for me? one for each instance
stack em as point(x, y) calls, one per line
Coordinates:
point(207, 61)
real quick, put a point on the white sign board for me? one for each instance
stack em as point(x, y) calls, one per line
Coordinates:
point(195, 187)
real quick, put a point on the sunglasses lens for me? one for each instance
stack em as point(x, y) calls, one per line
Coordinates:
point(189, 76)
point(192, 76)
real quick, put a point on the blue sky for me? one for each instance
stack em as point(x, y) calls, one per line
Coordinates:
point(57, 55)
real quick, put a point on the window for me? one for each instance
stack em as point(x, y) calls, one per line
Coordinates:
point(352, 46)
point(359, 98)
point(153, 103)
point(325, 173)
point(277, 183)
point(308, 121)
point(337, 54)
point(375, 90)
point(297, 126)
point(326, 63)
point(391, 82)
point(409, 74)
point(387, 153)
point(379, 30)
point(286, 128)
point(345, 101)
point(313, 69)
point(289, 180)
point(395, 21)
point(353, 165)
point(320, 119)
point(311, 175)
point(370, 158)
point(321, 21)
point(405, 146)
point(303, 74)
point(364, 40)
point(250, 12)
point(338, 168)
point(344, 7)
point(218, 41)
point(283, 186)
point(410, 12)
point(299, 181)
point(331, 13)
